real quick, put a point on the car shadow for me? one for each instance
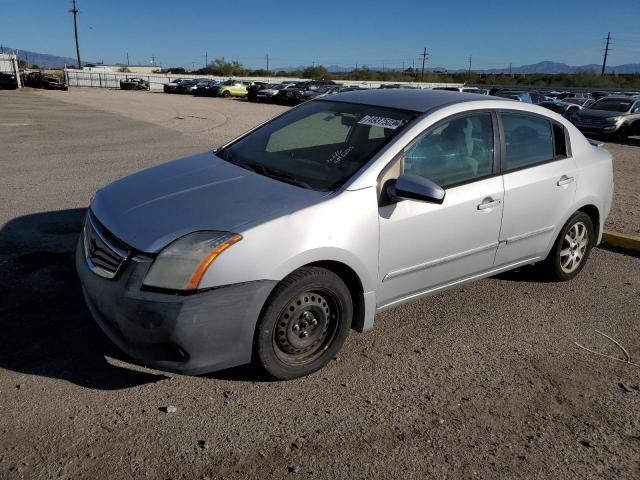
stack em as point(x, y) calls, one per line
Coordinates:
point(527, 274)
point(46, 327)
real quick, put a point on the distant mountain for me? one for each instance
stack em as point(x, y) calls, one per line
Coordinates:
point(43, 60)
point(555, 67)
point(54, 61)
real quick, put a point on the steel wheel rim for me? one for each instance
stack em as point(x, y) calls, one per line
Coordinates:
point(574, 247)
point(306, 327)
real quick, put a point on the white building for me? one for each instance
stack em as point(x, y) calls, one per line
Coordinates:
point(9, 64)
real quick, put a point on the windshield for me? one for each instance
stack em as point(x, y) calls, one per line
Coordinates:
point(612, 105)
point(318, 145)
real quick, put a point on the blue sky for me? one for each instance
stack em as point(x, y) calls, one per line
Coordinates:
point(328, 32)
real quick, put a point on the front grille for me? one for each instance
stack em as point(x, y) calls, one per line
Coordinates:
point(105, 254)
point(592, 121)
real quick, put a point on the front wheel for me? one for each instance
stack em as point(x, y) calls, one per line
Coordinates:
point(226, 94)
point(571, 249)
point(304, 323)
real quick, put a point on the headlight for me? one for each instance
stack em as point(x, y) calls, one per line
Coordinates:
point(182, 264)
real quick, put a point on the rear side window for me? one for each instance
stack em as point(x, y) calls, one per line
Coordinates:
point(560, 141)
point(528, 140)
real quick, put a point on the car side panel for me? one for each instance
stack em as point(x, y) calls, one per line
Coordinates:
point(534, 208)
point(341, 228)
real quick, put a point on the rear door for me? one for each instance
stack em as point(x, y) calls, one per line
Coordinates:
point(540, 178)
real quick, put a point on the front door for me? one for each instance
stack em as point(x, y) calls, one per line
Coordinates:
point(425, 245)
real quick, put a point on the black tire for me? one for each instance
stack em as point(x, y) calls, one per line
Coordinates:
point(622, 135)
point(554, 265)
point(226, 94)
point(304, 323)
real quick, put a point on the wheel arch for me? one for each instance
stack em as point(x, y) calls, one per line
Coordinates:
point(594, 213)
point(354, 284)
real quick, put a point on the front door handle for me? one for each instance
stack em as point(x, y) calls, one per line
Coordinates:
point(564, 180)
point(488, 203)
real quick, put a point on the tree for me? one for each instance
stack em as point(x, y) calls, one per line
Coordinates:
point(35, 66)
point(178, 70)
point(223, 68)
point(316, 73)
point(124, 70)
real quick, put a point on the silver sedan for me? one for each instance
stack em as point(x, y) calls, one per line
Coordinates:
point(273, 247)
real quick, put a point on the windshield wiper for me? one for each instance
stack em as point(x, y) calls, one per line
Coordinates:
point(260, 169)
point(276, 174)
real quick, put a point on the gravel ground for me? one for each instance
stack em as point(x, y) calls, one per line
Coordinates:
point(460, 385)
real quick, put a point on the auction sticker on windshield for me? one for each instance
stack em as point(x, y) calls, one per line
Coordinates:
point(383, 122)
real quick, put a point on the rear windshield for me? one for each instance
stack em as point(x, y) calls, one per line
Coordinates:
point(318, 145)
point(612, 105)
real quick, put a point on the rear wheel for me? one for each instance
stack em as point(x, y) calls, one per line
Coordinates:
point(304, 324)
point(571, 249)
point(226, 94)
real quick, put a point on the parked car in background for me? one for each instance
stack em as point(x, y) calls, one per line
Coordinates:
point(563, 108)
point(522, 96)
point(44, 81)
point(8, 81)
point(273, 247)
point(206, 89)
point(198, 82)
point(270, 93)
point(479, 91)
point(584, 102)
point(134, 83)
point(303, 91)
point(617, 117)
point(232, 88)
point(172, 85)
point(253, 89)
point(184, 86)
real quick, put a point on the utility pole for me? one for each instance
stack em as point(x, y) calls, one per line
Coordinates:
point(606, 53)
point(153, 60)
point(424, 56)
point(206, 59)
point(128, 59)
point(510, 70)
point(267, 64)
point(469, 66)
point(75, 12)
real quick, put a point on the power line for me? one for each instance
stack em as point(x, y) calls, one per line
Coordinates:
point(424, 56)
point(75, 12)
point(606, 53)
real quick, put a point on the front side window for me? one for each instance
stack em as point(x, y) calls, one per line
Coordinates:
point(320, 144)
point(453, 152)
point(528, 140)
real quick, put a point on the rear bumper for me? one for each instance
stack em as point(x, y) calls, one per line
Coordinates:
point(191, 334)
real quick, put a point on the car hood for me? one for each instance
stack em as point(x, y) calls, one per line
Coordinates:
point(587, 113)
point(152, 208)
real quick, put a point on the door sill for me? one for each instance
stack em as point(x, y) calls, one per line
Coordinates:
point(445, 286)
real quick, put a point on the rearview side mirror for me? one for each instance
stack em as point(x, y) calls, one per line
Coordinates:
point(414, 187)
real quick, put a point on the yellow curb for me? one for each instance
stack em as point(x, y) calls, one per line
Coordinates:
point(622, 240)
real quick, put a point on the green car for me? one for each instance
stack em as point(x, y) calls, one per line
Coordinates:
point(232, 88)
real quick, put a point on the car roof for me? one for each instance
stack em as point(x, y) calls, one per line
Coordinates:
point(404, 99)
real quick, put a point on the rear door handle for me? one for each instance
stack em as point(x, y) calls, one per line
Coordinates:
point(488, 203)
point(564, 180)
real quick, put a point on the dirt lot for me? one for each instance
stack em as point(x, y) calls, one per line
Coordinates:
point(484, 381)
